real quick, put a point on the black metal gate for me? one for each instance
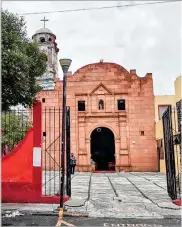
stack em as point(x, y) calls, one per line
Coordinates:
point(51, 154)
point(168, 130)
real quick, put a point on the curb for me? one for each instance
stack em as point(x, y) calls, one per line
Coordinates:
point(65, 214)
point(177, 202)
point(172, 217)
point(46, 213)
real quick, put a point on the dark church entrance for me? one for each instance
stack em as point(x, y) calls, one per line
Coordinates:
point(103, 149)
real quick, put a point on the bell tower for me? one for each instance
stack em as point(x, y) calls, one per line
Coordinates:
point(47, 43)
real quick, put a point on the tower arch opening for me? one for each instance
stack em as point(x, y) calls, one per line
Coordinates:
point(103, 149)
point(42, 39)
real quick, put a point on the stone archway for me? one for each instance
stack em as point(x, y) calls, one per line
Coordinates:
point(103, 148)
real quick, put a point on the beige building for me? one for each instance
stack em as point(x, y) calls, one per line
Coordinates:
point(161, 104)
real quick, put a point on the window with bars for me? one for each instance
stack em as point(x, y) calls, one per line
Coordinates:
point(121, 104)
point(81, 105)
point(161, 110)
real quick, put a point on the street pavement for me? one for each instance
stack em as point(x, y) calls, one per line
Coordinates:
point(37, 220)
point(122, 198)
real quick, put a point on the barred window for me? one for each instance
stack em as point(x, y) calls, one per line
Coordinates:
point(161, 110)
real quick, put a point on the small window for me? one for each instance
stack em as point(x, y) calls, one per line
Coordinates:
point(42, 39)
point(43, 99)
point(142, 133)
point(81, 105)
point(101, 104)
point(121, 104)
point(50, 39)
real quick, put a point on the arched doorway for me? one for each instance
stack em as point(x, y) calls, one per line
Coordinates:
point(103, 149)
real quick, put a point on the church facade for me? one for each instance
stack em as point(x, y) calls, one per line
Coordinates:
point(112, 116)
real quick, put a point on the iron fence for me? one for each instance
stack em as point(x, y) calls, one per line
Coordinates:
point(51, 152)
point(51, 156)
point(14, 125)
point(172, 150)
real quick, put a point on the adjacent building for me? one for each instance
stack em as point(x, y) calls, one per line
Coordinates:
point(161, 104)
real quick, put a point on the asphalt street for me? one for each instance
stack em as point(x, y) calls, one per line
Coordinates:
point(39, 220)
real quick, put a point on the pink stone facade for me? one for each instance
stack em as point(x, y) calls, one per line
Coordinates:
point(133, 128)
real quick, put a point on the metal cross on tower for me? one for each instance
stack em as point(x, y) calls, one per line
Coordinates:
point(44, 20)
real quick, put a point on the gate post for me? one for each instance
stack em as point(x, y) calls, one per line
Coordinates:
point(37, 137)
point(68, 170)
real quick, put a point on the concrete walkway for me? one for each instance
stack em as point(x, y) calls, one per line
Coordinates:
point(121, 195)
point(113, 195)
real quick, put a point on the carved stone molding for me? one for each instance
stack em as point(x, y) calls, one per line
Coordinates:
point(124, 151)
point(117, 140)
point(82, 152)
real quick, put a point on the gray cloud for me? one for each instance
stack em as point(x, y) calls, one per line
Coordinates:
point(146, 37)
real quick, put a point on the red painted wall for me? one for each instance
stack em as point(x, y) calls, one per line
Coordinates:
point(17, 165)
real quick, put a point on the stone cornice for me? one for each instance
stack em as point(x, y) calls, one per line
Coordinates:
point(115, 93)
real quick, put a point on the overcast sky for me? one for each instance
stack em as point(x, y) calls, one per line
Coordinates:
point(145, 38)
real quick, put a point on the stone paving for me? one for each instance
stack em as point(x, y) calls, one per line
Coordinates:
point(121, 195)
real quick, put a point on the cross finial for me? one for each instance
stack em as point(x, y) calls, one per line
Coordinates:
point(44, 20)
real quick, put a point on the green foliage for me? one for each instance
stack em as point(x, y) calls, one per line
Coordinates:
point(14, 127)
point(22, 63)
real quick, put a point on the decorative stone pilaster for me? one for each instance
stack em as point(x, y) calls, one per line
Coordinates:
point(83, 164)
point(117, 153)
point(124, 153)
point(81, 133)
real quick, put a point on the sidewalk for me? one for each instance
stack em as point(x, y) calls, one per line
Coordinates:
point(112, 195)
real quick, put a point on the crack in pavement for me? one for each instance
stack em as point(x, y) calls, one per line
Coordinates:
point(88, 197)
point(170, 208)
point(149, 180)
point(111, 185)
